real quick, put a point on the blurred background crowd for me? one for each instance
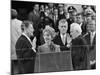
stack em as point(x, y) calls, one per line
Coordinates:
point(42, 14)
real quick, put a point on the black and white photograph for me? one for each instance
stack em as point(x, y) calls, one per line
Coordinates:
point(52, 37)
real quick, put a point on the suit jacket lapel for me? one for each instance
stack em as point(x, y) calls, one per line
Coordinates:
point(28, 42)
point(60, 40)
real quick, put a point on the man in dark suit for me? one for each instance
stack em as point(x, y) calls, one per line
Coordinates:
point(25, 49)
point(61, 11)
point(90, 37)
point(72, 16)
point(79, 20)
point(56, 19)
point(63, 38)
point(79, 48)
point(34, 16)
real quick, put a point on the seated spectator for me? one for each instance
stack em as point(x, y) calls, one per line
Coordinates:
point(79, 48)
point(48, 46)
point(63, 38)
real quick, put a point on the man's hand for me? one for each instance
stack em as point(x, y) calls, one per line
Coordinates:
point(92, 62)
point(69, 39)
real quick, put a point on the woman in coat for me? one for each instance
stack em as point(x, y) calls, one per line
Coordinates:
point(48, 46)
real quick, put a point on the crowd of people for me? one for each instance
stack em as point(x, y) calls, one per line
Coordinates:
point(54, 28)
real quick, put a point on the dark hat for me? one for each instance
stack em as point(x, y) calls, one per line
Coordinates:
point(71, 9)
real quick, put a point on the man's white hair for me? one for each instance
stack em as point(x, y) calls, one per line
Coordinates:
point(76, 27)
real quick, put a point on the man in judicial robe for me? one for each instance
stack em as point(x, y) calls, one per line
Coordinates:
point(25, 49)
point(79, 49)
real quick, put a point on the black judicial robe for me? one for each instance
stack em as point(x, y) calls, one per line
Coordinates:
point(79, 52)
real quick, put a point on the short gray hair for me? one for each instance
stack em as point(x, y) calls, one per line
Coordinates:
point(76, 27)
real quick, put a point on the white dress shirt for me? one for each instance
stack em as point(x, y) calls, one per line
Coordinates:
point(81, 24)
point(29, 41)
point(55, 18)
point(92, 35)
point(63, 37)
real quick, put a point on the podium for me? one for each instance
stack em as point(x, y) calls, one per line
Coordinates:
point(53, 62)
